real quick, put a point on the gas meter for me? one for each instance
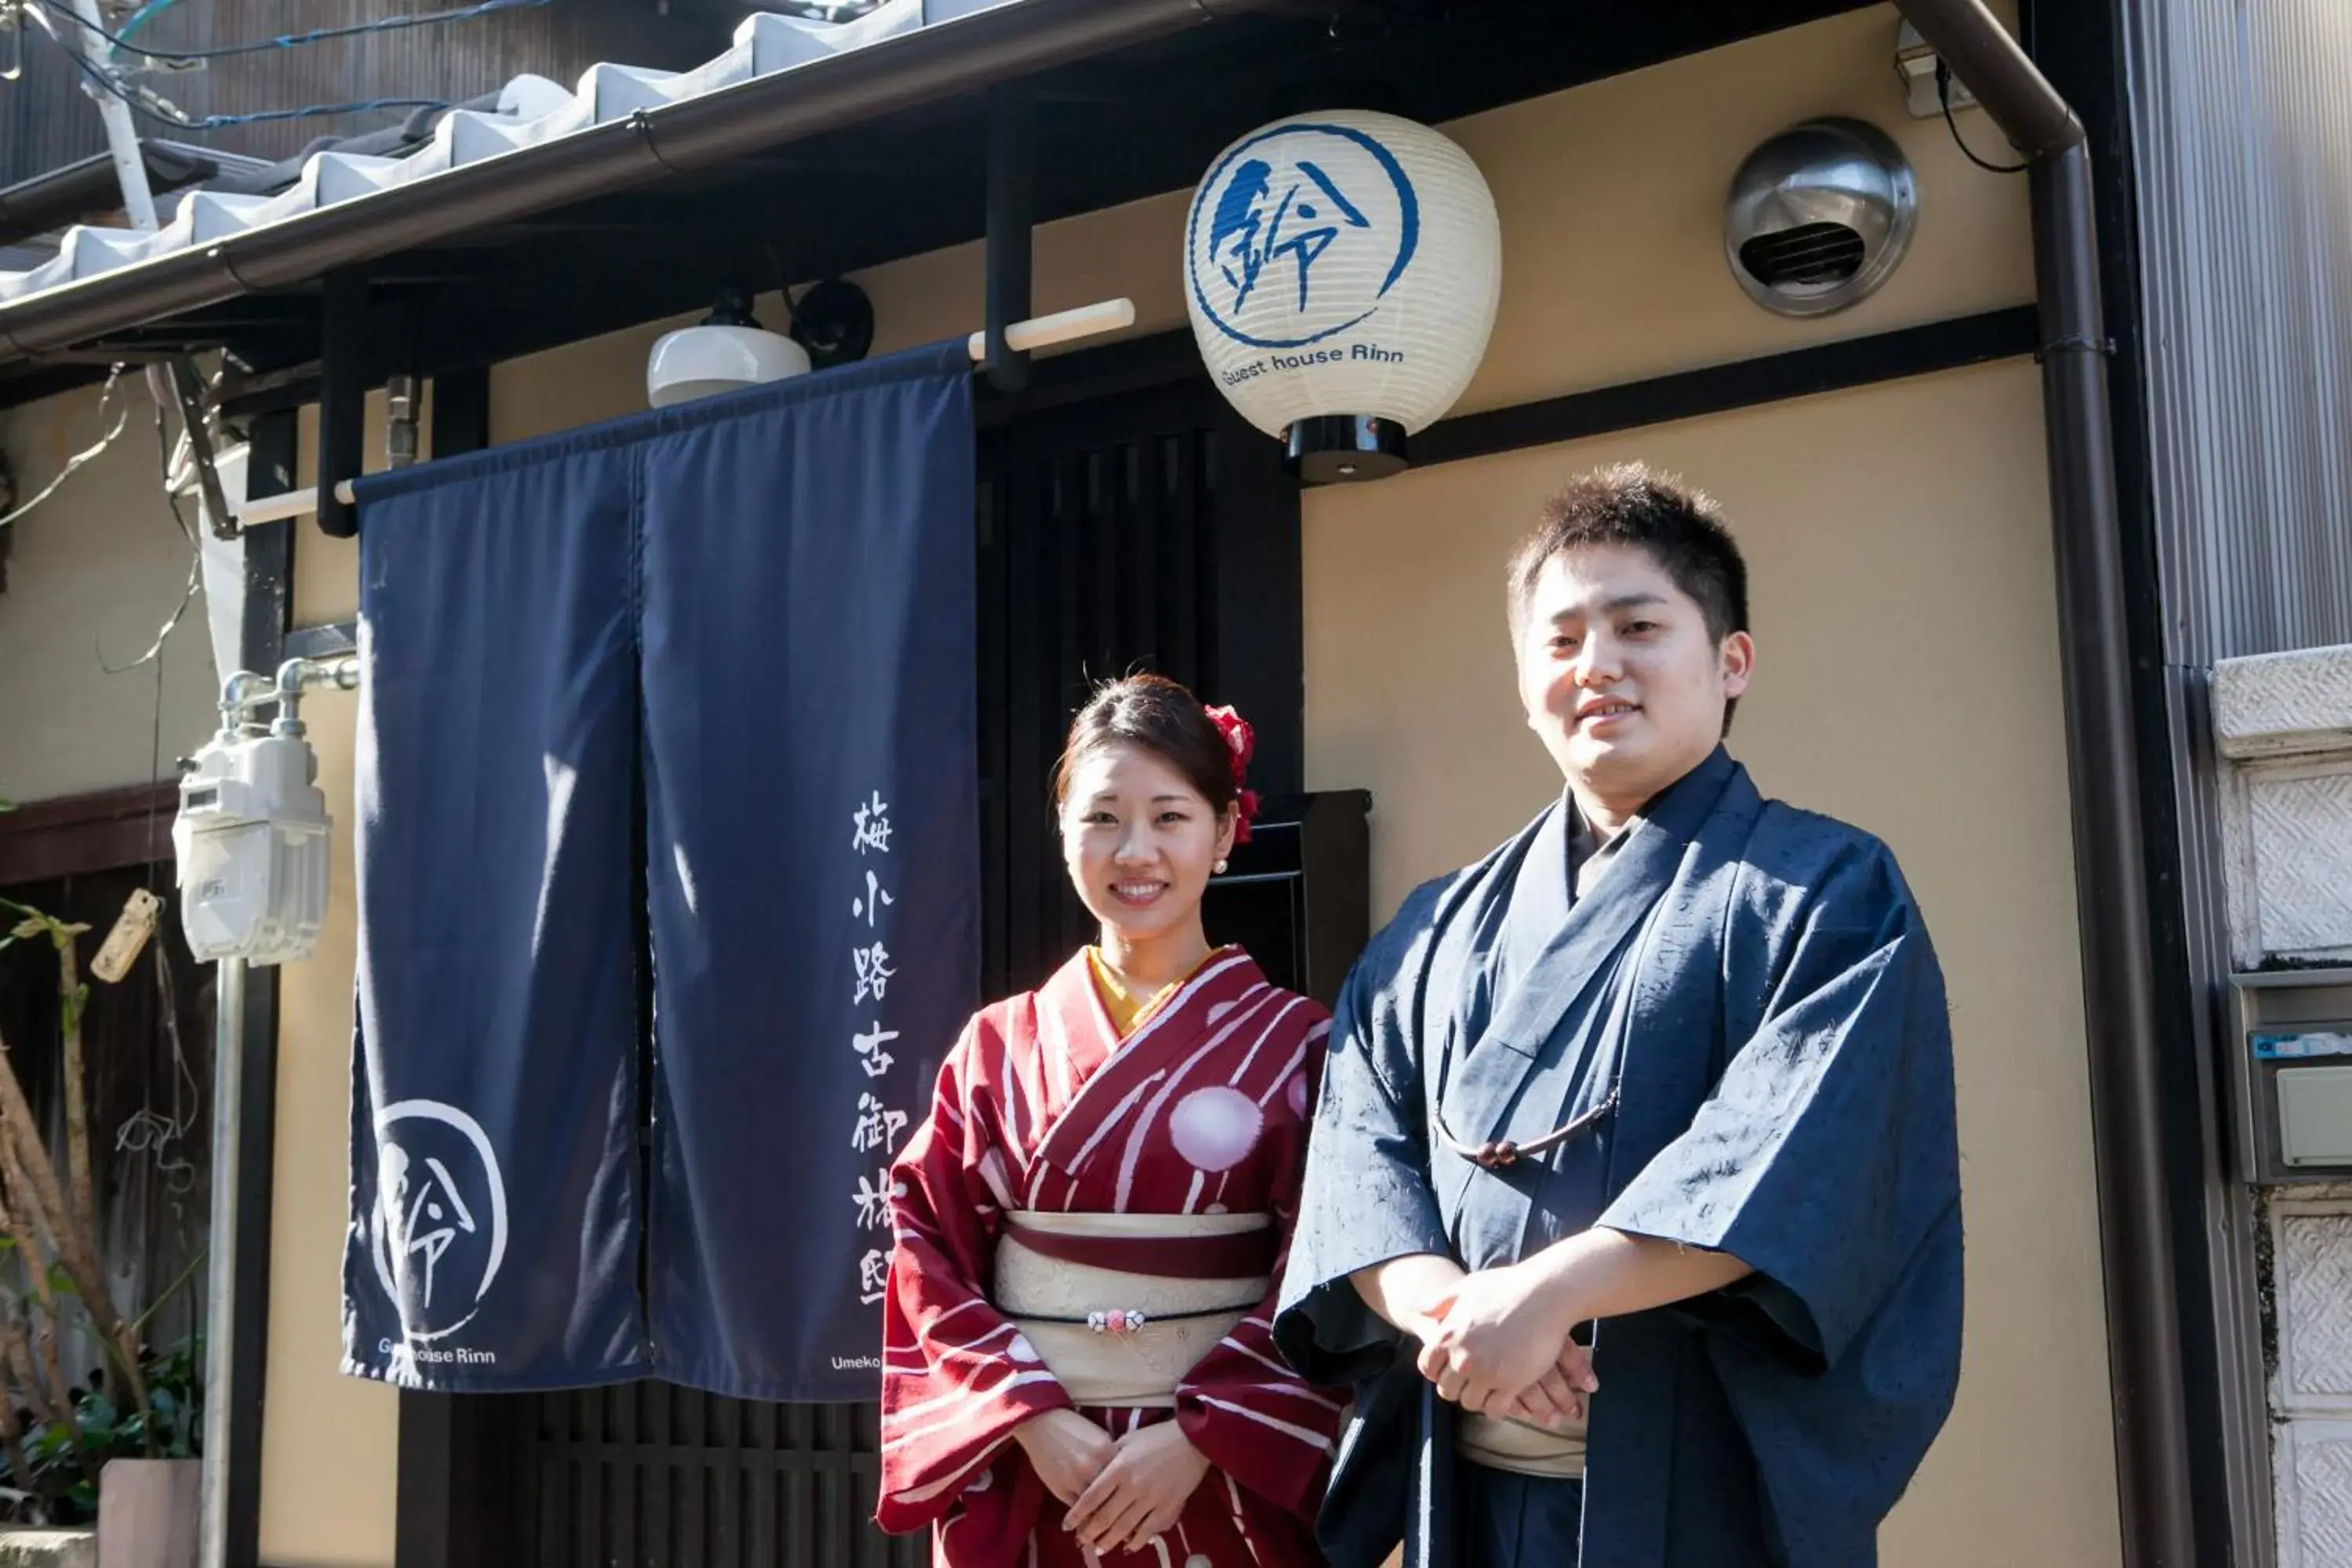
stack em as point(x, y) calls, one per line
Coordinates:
point(252, 835)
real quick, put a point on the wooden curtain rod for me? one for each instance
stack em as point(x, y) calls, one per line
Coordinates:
point(1038, 332)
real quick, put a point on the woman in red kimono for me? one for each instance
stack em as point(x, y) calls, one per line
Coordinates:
point(1078, 1363)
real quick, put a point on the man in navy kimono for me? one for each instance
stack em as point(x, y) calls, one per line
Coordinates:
point(1668, 1076)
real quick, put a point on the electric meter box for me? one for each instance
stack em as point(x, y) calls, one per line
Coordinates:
point(2292, 1069)
point(253, 841)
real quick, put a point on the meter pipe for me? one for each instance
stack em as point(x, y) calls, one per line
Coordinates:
point(298, 675)
point(241, 693)
point(2144, 1355)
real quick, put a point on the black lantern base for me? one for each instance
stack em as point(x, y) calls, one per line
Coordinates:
point(1341, 448)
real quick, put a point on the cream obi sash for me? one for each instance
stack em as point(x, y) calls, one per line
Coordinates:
point(1522, 1450)
point(1112, 1335)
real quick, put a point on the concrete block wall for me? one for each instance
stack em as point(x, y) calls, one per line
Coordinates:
point(2283, 723)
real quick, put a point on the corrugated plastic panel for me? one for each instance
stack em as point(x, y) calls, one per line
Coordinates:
point(2243, 122)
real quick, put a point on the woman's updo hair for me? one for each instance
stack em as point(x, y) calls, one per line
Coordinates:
point(1160, 716)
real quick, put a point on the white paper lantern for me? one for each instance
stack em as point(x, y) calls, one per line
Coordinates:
point(1342, 270)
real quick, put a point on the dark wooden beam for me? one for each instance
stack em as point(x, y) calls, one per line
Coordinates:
point(345, 380)
point(73, 835)
point(1741, 383)
point(243, 394)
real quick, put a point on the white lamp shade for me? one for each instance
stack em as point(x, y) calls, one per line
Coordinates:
point(697, 361)
point(1342, 263)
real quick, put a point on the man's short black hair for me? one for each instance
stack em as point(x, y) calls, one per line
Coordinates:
point(1629, 503)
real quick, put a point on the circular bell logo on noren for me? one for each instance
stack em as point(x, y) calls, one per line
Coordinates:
point(1299, 233)
point(440, 1218)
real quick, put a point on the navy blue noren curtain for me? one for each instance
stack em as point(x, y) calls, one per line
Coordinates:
point(676, 710)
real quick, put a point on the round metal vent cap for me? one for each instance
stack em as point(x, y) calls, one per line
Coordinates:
point(1819, 216)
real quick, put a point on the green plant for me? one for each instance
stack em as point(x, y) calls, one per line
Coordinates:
point(60, 1459)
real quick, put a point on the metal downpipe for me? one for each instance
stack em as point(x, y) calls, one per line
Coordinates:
point(220, 1267)
point(2111, 882)
point(2144, 1364)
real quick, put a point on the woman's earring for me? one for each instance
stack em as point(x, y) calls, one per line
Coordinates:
point(1219, 868)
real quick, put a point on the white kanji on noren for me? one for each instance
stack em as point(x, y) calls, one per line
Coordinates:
point(874, 971)
point(869, 907)
point(870, 1054)
point(877, 1126)
point(873, 822)
point(872, 1276)
point(873, 1199)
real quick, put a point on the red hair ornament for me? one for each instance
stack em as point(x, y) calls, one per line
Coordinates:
point(1241, 742)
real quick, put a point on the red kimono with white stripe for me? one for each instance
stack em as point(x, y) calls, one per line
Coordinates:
point(1203, 1109)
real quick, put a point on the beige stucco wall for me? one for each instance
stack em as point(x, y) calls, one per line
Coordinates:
point(95, 571)
point(329, 1443)
point(1903, 520)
